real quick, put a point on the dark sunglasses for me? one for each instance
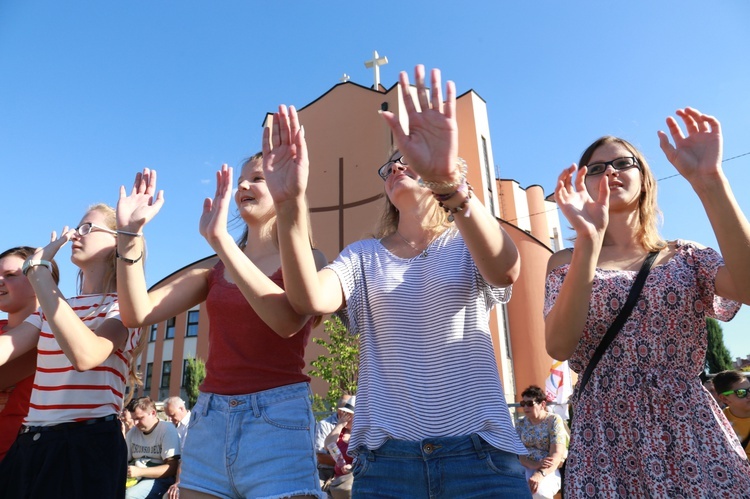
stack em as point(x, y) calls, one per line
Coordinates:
point(527, 403)
point(386, 170)
point(740, 392)
point(618, 164)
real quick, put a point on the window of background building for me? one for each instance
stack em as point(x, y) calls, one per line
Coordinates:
point(170, 329)
point(184, 370)
point(490, 176)
point(147, 380)
point(192, 323)
point(152, 335)
point(166, 373)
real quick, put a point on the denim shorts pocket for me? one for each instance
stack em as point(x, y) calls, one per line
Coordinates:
point(196, 414)
point(291, 414)
point(504, 463)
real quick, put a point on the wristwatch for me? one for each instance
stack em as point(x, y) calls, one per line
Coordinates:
point(35, 263)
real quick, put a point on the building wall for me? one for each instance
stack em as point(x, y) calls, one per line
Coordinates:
point(348, 141)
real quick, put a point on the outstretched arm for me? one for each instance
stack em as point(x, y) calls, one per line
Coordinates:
point(138, 307)
point(267, 299)
point(286, 167)
point(84, 348)
point(432, 148)
point(564, 324)
point(697, 157)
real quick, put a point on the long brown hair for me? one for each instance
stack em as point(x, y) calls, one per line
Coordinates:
point(25, 252)
point(649, 214)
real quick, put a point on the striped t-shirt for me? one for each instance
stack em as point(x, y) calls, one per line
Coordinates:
point(60, 393)
point(427, 366)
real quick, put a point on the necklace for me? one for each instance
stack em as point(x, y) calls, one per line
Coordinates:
point(424, 252)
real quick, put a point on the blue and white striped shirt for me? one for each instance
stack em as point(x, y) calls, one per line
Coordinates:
point(427, 365)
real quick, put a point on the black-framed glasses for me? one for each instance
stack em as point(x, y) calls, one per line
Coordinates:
point(85, 229)
point(618, 164)
point(527, 403)
point(740, 392)
point(386, 170)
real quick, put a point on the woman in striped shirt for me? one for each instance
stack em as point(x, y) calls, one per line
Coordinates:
point(431, 417)
point(71, 444)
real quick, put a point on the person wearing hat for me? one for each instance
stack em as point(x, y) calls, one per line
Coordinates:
point(322, 429)
point(340, 487)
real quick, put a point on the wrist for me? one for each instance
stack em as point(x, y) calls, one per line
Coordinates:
point(31, 264)
point(449, 184)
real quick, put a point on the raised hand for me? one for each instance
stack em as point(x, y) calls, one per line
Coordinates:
point(139, 207)
point(213, 223)
point(431, 145)
point(696, 156)
point(285, 163)
point(588, 217)
point(48, 252)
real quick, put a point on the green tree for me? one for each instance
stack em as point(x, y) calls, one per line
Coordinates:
point(717, 356)
point(195, 373)
point(340, 367)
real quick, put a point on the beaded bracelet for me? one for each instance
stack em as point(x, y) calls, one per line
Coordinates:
point(463, 168)
point(128, 260)
point(465, 189)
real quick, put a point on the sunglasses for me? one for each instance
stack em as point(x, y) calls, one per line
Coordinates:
point(618, 164)
point(527, 403)
point(740, 392)
point(386, 170)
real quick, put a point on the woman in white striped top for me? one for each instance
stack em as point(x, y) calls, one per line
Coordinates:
point(71, 445)
point(431, 417)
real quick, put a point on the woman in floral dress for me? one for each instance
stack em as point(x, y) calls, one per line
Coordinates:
point(645, 426)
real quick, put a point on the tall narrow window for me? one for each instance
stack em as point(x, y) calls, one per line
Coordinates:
point(166, 373)
point(489, 175)
point(170, 329)
point(152, 334)
point(192, 323)
point(184, 371)
point(147, 380)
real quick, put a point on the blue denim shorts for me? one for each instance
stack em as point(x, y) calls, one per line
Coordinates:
point(258, 445)
point(438, 468)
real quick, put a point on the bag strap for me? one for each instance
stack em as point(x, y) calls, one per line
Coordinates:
point(619, 321)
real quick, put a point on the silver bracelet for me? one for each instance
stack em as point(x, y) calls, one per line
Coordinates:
point(463, 168)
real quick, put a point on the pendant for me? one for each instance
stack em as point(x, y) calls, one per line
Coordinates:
point(424, 254)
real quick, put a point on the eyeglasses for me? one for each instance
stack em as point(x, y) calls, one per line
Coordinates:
point(740, 392)
point(386, 170)
point(618, 164)
point(85, 229)
point(527, 403)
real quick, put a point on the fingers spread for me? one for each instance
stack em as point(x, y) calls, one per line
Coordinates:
point(403, 82)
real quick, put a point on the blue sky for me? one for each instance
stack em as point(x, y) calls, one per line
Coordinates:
point(91, 92)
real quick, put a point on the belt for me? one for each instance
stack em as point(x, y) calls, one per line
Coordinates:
point(66, 426)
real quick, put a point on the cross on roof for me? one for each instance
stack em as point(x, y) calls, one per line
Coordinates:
point(375, 63)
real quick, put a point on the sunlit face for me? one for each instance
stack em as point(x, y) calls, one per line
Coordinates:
point(253, 199)
point(144, 420)
point(16, 292)
point(625, 186)
point(97, 245)
point(401, 176)
point(740, 406)
point(175, 413)
point(536, 409)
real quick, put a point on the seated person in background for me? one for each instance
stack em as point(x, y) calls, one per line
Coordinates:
point(709, 385)
point(153, 452)
point(322, 429)
point(544, 436)
point(174, 408)
point(337, 443)
point(733, 389)
point(126, 421)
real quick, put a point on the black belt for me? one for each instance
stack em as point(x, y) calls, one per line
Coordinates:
point(66, 426)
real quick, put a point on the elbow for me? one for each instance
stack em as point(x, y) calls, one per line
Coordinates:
point(306, 307)
point(84, 364)
point(558, 352)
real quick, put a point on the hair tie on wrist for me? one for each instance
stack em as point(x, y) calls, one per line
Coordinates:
point(128, 260)
point(126, 233)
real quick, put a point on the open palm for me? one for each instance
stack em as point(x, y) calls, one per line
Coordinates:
point(213, 222)
point(285, 163)
point(136, 209)
point(587, 216)
point(697, 155)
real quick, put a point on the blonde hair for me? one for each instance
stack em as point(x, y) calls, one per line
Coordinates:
point(649, 214)
point(109, 286)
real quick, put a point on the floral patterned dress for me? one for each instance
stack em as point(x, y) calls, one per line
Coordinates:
point(645, 426)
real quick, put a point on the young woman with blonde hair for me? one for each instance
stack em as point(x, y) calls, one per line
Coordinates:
point(254, 405)
point(419, 297)
point(71, 445)
point(644, 426)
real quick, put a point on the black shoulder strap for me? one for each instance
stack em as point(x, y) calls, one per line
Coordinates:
point(619, 321)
